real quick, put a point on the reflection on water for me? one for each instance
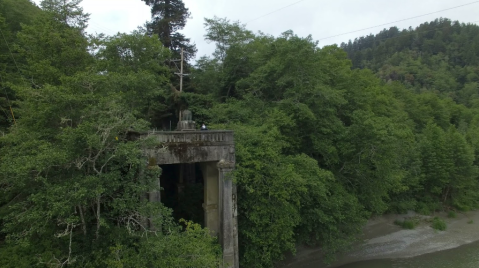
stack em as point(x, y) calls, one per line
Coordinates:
point(466, 256)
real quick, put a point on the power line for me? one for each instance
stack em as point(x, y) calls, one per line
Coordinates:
point(475, 2)
point(275, 11)
point(405, 35)
point(102, 28)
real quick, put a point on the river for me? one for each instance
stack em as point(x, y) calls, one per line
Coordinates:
point(466, 256)
point(386, 245)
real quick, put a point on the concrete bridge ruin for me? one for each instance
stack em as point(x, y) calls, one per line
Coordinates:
point(214, 153)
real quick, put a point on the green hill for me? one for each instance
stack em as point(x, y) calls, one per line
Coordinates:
point(439, 56)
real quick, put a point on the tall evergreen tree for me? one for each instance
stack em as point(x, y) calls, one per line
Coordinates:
point(169, 17)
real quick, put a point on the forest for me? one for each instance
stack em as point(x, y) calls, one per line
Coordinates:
point(326, 137)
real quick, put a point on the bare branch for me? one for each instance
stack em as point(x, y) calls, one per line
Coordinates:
point(82, 219)
point(97, 234)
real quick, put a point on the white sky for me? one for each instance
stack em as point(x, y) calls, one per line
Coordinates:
point(320, 18)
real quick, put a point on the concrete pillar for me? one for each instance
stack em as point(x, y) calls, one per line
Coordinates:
point(227, 219)
point(235, 227)
point(211, 197)
point(154, 195)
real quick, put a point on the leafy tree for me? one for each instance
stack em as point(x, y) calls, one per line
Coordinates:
point(5, 57)
point(202, 251)
point(349, 144)
point(54, 44)
point(436, 56)
point(71, 181)
point(12, 15)
point(436, 162)
point(287, 200)
point(17, 12)
point(225, 34)
point(461, 190)
point(285, 113)
point(124, 59)
point(69, 12)
point(320, 144)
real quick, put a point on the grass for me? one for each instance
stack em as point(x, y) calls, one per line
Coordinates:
point(407, 224)
point(438, 224)
point(451, 214)
point(470, 222)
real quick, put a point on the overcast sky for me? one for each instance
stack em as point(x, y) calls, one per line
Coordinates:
point(319, 18)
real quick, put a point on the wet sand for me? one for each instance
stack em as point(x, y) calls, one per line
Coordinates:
point(384, 240)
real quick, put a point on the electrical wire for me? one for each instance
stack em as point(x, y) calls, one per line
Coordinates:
point(274, 11)
point(384, 24)
point(102, 28)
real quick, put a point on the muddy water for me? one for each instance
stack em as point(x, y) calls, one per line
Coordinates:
point(466, 256)
point(386, 245)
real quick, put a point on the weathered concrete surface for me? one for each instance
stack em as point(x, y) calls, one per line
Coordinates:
point(211, 197)
point(192, 146)
point(215, 152)
point(227, 233)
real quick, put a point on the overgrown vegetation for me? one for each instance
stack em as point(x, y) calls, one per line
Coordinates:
point(71, 184)
point(408, 223)
point(322, 142)
point(451, 214)
point(438, 224)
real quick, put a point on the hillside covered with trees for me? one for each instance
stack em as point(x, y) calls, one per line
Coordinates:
point(439, 56)
point(325, 137)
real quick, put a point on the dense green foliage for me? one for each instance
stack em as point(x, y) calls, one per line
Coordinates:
point(440, 56)
point(438, 224)
point(12, 14)
point(71, 184)
point(322, 144)
point(325, 137)
point(407, 223)
point(439, 75)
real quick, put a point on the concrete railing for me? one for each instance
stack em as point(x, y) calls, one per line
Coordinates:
point(208, 136)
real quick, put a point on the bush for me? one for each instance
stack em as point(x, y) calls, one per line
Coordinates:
point(193, 247)
point(407, 224)
point(427, 207)
point(438, 224)
point(451, 214)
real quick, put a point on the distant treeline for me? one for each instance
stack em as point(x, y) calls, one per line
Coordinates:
point(325, 137)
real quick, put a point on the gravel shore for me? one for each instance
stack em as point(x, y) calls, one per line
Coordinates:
point(383, 240)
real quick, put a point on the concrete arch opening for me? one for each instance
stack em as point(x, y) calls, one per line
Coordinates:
point(207, 158)
point(183, 191)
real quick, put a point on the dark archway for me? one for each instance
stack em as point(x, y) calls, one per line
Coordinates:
point(183, 191)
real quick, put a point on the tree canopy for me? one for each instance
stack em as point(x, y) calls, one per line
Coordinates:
point(71, 183)
point(168, 18)
point(325, 137)
point(323, 142)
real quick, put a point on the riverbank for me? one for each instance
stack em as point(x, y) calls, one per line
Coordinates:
point(384, 240)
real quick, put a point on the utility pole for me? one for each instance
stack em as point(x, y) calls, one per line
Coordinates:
point(181, 183)
point(180, 74)
point(181, 71)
